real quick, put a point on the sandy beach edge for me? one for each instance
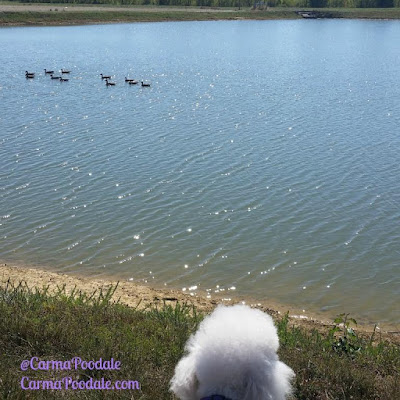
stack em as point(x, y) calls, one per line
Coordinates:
point(141, 297)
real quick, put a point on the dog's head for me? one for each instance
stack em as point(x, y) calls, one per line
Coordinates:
point(233, 353)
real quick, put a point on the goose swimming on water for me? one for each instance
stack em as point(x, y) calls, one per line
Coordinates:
point(48, 72)
point(29, 74)
point(145, 84)
point(109, 83)
point(64, 71)
point(105, 76)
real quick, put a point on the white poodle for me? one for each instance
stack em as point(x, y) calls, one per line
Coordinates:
point(233, 356)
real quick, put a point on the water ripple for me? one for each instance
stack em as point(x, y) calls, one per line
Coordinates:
point(222, 175)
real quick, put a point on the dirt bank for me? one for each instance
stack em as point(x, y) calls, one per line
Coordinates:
point(134, 295)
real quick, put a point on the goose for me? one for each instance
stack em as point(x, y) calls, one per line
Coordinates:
point(64, 71)
point(48, 72)
point(29, 74)
point(105, 76)
point(145, 84)
point(133, 82)
point(55, 77)
point(109, 83)
point(128, 80)
point(63, 79)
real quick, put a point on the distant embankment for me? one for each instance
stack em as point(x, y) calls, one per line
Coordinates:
point(36, 14)
point(20, 14)
point(231, 3)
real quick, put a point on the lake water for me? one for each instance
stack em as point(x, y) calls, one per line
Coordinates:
point(262, 162)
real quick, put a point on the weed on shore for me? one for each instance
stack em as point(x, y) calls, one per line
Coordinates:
point(148, 343)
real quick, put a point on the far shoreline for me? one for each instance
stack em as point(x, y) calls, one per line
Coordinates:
point(45, 14)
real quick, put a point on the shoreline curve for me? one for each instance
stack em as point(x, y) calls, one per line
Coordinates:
point(139, 296)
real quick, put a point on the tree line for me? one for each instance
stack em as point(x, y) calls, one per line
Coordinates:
point(236, 3)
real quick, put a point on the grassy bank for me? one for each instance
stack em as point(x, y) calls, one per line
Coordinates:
point(149, 343)
point(45, 14)
point(96, 16)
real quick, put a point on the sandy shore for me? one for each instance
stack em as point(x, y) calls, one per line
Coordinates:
point(127, 293)
point(134, 295)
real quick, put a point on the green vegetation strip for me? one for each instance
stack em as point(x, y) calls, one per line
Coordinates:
point(87, 17)
point(58, 16)
point(336, 364)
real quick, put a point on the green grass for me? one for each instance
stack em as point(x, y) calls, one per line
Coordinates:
point(367, 13)
point(150, 342)
point(58, 16)
point(358, 13)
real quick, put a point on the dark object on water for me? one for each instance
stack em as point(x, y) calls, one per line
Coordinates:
point(64, 71)
point(307, 14)
point(133, 82)
point(29, 75)
point(109, 83)
point(48, 72)
point(317, 14)
point(64, 79)
point(105, 76)
point(145, 84)
point(55, 77)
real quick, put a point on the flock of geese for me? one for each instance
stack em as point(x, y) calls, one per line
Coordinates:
point(127, 80)
point(31, 75)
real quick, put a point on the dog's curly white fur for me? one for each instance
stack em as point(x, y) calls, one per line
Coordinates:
point(233, 354)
